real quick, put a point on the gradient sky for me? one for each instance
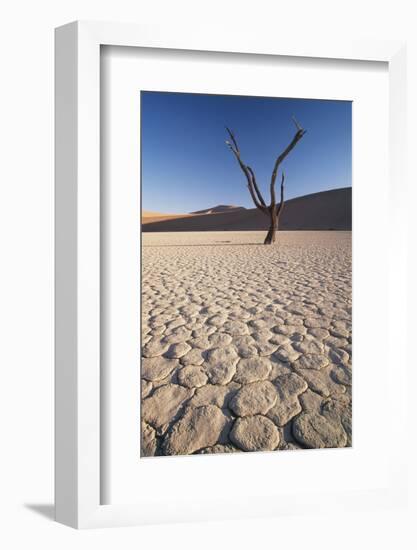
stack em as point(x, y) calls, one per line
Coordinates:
point(187, 166)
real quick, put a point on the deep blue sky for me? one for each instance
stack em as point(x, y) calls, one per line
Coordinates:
point(187, 166)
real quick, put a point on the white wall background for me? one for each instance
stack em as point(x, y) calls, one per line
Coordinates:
point(26, 269)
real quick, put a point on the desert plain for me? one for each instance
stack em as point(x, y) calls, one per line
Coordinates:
point(245, 347)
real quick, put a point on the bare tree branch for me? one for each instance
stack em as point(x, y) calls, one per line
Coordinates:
point(255, 185)
point(255, 199)
point(298, 126)
point(241, 164)
point(299, 134)
point(273, 210)
point(281, 204)
point(247, 170)
point(232, 137)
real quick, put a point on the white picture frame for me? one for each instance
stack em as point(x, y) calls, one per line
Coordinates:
point(78, 426)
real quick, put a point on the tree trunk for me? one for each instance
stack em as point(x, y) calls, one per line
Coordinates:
point(270, 237)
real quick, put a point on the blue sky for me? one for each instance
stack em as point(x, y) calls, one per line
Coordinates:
point(187, 166)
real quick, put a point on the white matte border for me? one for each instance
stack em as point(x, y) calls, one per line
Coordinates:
point(196, 479)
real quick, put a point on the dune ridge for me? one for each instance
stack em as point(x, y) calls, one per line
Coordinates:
point(219, 208)
point(323, 211)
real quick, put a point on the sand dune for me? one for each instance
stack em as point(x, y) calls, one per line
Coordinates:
point(218, 209)
point(327, 210)
point(148, 216)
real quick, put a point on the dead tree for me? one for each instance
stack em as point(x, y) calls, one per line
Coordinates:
point(273, 210)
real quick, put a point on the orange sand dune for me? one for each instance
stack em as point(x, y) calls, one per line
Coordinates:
point(148, 216)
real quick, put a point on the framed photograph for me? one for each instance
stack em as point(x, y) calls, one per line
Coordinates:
point(222, 348)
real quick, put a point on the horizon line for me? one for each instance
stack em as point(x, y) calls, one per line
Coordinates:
point(244, 207)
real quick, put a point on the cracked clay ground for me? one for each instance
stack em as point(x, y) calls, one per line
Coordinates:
point(245, 347)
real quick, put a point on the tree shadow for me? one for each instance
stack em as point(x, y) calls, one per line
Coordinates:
point(45, 510)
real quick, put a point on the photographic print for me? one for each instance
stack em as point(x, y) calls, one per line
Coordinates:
point(246, 297)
